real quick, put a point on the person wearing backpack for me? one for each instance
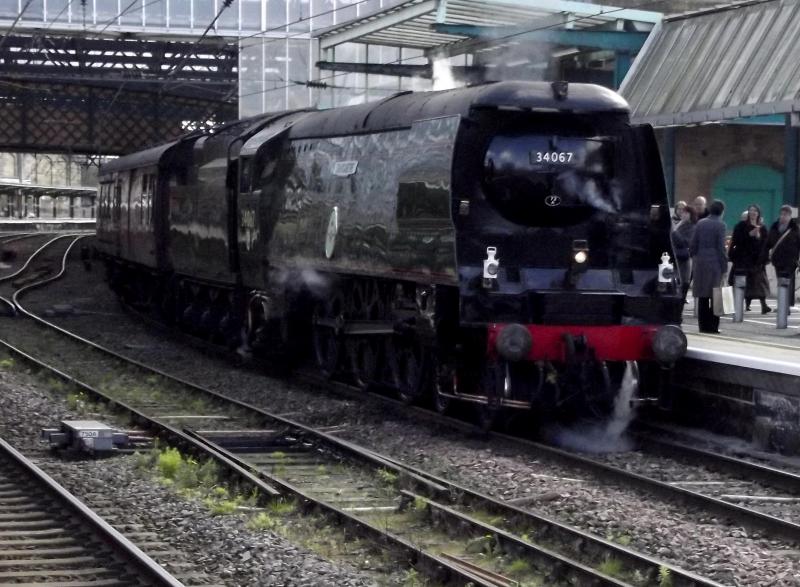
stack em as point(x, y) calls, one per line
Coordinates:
point(782, 247)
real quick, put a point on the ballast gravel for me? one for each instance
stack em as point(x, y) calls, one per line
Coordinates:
point(688, 538)
point(206, 549)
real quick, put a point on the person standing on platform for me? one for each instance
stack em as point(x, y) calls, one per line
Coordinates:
point(746, 254)
point(783, 247)
point(709, 263)
point(681, 239)
point(676, 216)
point(700, 205)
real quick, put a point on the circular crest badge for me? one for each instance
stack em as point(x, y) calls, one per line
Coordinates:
point(553, 201)
point(333, 230)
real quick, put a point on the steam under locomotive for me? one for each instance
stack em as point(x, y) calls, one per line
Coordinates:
point(498, 244)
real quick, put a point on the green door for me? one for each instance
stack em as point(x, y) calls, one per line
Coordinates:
point(741, 186)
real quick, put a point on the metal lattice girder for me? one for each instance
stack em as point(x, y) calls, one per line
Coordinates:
point(210, 66)
point(86, 119)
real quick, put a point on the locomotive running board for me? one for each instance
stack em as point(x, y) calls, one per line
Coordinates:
point(357, 327)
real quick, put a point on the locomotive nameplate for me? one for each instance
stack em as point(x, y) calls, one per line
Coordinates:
point(344, 168)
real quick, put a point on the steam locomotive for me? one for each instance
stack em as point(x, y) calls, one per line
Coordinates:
point(497, 244)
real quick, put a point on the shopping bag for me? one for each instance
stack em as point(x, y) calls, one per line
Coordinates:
point(723, 300)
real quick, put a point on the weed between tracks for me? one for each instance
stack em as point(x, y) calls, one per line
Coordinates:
point(201, 481)
point(283, 516)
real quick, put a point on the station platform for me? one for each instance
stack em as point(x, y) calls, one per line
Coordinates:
point(755, 343)
point(45, 224)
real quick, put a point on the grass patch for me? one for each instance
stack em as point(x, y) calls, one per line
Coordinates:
point(262, 521)
point(411, 578)
point(223, 507)
point(612, 567)
point(76, 400)
point(420, 503)
point(621, 539)
point(282, 507)
point(169, 461)
point(664, 577)
point(518, 567)
point(387, 477)
point(7, 364)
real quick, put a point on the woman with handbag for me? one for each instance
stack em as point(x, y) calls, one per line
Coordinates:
point(746, 254)
point(709, 263)
point(783, 247)
point(681, 239)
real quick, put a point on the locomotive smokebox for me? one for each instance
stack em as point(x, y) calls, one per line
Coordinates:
point(669, 344)
point(514, 342)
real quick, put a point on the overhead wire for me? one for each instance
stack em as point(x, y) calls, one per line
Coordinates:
point(320, 82)
point(177, 68)
point(14, 24)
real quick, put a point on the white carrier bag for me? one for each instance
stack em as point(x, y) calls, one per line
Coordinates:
point(723, 300)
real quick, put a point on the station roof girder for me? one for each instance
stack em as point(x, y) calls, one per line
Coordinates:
point(611, 40)
point(431, 25)
point(210, 65)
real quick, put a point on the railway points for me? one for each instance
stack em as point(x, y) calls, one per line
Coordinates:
point(496, 253)
point(292, 460)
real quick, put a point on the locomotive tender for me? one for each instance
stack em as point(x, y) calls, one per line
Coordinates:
point(498, 244)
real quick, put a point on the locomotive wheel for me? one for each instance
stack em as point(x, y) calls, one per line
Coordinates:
point(410, 371)
point(486, 416)
point(325, 339)
point(363, 357)
point(446, 382)
point(493, 380)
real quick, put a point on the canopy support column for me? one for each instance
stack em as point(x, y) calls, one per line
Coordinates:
point(791, 165)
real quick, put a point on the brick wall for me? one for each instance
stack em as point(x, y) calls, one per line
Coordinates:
point(704, 152)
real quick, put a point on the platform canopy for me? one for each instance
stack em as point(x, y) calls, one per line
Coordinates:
point(742, 60)
point(27, 189)
point(454, 26)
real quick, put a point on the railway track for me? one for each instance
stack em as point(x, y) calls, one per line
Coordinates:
point(454, 534)
point(47, 536)
point(756, 496)
point(49, 254)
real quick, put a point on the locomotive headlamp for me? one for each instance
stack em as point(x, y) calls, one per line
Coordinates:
point(669, 344)
point(579, 262)
point(491, 267)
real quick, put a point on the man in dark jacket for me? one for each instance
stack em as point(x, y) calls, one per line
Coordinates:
point(782, 248)
point(700, 205)
point(709, 264)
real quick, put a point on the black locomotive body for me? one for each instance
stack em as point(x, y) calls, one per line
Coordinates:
point(498, 244)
